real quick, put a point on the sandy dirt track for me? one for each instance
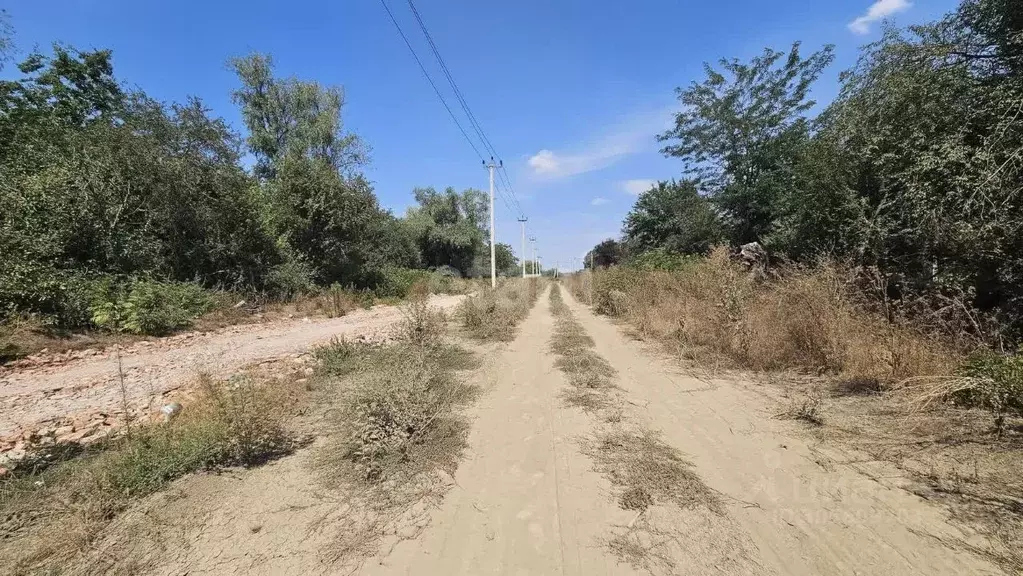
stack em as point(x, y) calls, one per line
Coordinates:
point(805, 510)
point(57, 395)
point(527, 501)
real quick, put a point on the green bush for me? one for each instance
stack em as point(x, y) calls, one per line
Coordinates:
point(661, 259)
point(397, 282)
point(57, 296)
point(148, 306)
point(997, 386)
point(290, 279)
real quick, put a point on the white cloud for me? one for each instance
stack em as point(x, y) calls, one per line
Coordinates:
point(637, 187)
point(878, 11)
point(544, 162)
point(629, 137)
point(598, 201)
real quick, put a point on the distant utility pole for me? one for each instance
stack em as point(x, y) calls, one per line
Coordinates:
point(493, 261)
point(522, 221)
point(532, 239)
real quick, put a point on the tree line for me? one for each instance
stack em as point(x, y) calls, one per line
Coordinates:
point(105, 191)
point(913, 173)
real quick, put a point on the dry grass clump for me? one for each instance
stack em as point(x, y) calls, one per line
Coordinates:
point(492, 315)
point(806, 319)
point(397, 409)
point(49, 516)
point(579, 284)
point(588, 399)
point(586, 370)
point(397, 421)
point(808, 407)
point(644, 549)
point(646, 471)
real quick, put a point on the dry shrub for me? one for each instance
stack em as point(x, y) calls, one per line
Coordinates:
point(493, 314)
point(420, 325)
point(398, 413)
point(47, 518)
point(397, 423)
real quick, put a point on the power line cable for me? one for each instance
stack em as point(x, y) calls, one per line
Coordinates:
point(451, 80)
point(502, 173)
point(430, 80)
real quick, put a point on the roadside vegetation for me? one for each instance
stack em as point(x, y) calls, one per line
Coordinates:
point(386, 421)
point(126, 215)
point(867, 258)
point(940, 404)
point(57, 502)
point(397, 426)
point(881, 235)
point(492, 315)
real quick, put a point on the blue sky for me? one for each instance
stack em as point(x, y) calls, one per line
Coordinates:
point(571, 93)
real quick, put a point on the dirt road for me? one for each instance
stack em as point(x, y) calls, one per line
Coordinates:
point(528, 498)
point(805, 511)
point(527, 501)
point(55, 396)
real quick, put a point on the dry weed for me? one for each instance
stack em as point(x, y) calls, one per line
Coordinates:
point(805, 319)
point(397, 423)
point(807, 407)
point(644, 549)
point(587, 399)
point(493, 314)
point(587, 371)
point(646, 469)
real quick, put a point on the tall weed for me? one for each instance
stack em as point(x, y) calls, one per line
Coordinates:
point(808, 319)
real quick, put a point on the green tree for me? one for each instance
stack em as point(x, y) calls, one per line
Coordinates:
point(99, 182)
point(610, 252)
point(291, 119)
point(927, 126)
point(448, 227)
point(6, 38)
point(740, 131)
point(674, 216)
point(317, 203)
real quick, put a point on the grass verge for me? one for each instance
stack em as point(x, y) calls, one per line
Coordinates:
point(51, 514)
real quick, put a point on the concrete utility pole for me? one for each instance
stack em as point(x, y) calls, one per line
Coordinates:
point(522, 221)
point(493, 260)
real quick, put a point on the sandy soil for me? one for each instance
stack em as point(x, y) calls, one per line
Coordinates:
point(527, 499)
point(67, 397)
point(805, 512)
